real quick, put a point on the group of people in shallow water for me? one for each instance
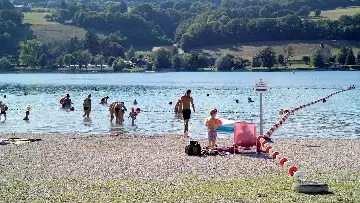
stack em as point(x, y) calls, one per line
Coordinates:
point(117, 108)
point(4, 108)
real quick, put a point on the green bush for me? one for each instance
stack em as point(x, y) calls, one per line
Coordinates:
point(5, 64)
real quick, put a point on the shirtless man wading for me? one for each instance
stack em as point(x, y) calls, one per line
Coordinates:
point(186, 100)
point(87, 106)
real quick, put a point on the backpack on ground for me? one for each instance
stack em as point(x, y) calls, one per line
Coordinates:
point(193, 149)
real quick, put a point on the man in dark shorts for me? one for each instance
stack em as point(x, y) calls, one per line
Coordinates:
point(186, 100)
point(87, 106)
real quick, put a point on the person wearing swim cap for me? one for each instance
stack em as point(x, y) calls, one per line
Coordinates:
point(3, 109)
point(186, 100)
point(87, 106)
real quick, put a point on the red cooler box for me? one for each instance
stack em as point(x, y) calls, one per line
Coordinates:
point(245, 134)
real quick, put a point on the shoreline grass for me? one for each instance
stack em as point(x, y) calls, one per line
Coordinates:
point(273, 187)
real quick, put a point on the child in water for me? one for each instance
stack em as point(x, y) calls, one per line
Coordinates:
point(178, 107)
point(27, 113)
point(212, 133)
point(132, 115)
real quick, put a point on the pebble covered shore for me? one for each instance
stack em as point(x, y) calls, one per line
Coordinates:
point(105, 157)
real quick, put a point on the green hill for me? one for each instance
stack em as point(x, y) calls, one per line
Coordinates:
point(47, 32)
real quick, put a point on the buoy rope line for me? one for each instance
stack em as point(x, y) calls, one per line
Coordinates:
point(274, 154)
point(146, 111)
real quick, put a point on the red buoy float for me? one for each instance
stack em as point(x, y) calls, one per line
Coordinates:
point(268, 148)
point(263, 143)
point(292, 169)
point(282, 161)
point(275, 154)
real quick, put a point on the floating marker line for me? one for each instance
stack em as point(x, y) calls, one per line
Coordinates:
point(283, 161)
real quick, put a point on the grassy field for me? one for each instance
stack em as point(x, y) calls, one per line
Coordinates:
point(345, 187)
point(47, 32)
point(35, 18)
point(336, 13)
point(248, 50)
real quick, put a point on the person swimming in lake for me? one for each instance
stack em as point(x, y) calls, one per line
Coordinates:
point(135, 102)
point(250, 100)
point(87, 106)
point(104, 100)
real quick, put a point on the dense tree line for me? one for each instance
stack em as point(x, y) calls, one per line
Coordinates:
point(193, 23)
point(189, 23)
point(320, 58)
point(91, 50)
point(165, 59)
point(285, 28)
point(11, 28)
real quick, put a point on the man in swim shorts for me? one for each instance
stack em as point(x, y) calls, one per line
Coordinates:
point(186, 100)
point(87, 106)
point(3, 109)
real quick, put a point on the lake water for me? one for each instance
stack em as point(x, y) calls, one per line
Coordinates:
point(337, 118)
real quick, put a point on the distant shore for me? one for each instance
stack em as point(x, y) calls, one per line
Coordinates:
point(240, 70)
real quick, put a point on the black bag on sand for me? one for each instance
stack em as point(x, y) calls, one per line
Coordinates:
point(193, 149)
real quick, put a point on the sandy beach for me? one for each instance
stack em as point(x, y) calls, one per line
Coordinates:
point(88, 159)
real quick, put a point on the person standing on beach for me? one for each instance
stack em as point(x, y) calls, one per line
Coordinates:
point(186, 100)
point(87, 106)
point(212, 133)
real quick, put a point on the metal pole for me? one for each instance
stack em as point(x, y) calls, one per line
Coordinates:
point(261, 115)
